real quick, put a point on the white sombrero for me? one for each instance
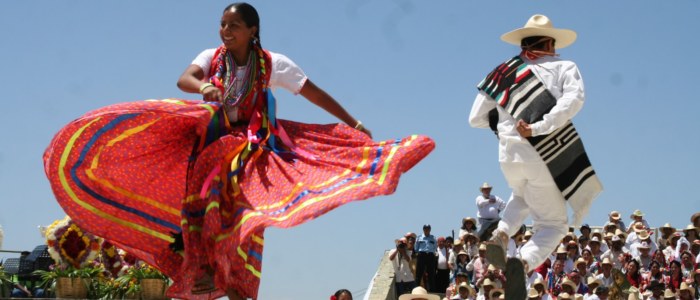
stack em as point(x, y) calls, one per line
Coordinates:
point(419, 293)
point(540, 25)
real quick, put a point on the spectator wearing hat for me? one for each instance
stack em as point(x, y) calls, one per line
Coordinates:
point(457, 247)
point(419, 293)
point(643, 237)
point(453, 288)
point(592, 283)
point(485, 290)
point(595, 246)
point(572, 253)
point(464, 291)
point(532, 277)
point(539, 286)
point(468, 225)
point(401, 260)
point(495, 275)
point(666, 231)
point(426, 262)
point(616, 218)
point(489, 208)
point(637, 216)
point(644, 257)
point(605, 276)
point(460, 264)
point(579, 281)
point(616, 251)
point(691, 233)
point(581, 265)
point(686, 292)
point(442, 274)
point(632, 236)
point(563, 255)
point(669, 295)
point(471, 244)
point(478, 264)
point(585, 230)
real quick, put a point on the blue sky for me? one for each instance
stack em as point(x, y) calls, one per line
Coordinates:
point(400, 66)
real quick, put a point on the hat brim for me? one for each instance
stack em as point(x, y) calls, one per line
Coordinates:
point(563, 37)
point(412, 297)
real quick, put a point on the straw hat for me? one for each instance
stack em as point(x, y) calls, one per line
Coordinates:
point(466, 285)
point(643, 245)
point(578, 297)
point(486, 185)
point(462, 252)
point(606, 261)
point(533, 293)
point(580, 260)
point(458, 242)
point(643, 235)
point(667, 226)
point(597, 233)
point(527, 233)
point(487, 282)
point(419, 293)
point(593, 280)
point(482, 247)
point(633, 294)
point(594, 239)
point(564, 296)
point(686, 286)
point(689, 228)
point(609, 235)
point(540, 25)
point(620, 233)
point(615, 215)
point(470, 219)
point(570, 283)
point(561, 250)
point(668, 294)
point(636, 213)
point(495, 291)
point(491, 267)
point(638, 226)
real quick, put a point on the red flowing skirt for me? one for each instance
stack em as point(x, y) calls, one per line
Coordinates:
point(132, 174)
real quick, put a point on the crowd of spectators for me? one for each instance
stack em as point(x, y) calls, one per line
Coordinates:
point(612, 261)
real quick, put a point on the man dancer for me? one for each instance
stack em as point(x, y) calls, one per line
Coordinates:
point(529, 102)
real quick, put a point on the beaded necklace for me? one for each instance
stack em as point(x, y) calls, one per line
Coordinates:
point(226, 73)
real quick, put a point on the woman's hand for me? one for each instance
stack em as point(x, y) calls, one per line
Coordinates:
point(211, 93)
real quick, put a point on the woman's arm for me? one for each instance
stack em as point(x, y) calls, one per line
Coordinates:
point(191, 82)
point(323, 100)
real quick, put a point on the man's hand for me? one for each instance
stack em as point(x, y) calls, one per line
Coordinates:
point(524, 129)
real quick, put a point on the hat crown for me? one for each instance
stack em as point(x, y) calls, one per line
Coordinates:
point(539, 21)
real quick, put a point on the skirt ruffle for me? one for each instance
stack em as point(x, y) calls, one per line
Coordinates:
point(135, 173)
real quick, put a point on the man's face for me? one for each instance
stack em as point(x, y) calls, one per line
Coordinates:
point(441, 243)
point(426, 230)
point(558, 266)
point(607, 268)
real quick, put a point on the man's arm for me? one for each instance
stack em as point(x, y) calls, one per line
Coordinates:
point(567, 105)
point(479, 115)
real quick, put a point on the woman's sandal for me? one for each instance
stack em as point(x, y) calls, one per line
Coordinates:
point(204, 285)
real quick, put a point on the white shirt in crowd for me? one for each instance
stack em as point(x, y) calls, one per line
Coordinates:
point(285, 74)
point(442, 258)
point(402, 266)
point(563, 80)
point(488, 210)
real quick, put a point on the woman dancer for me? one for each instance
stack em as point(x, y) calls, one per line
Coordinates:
point(206, 178)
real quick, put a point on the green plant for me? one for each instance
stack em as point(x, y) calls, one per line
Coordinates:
point(130, 282)
point(93, 275)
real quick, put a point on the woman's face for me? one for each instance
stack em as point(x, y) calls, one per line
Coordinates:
point(654, 268)
point(345, 296)
point(685, 259)
point(674, 269)
point(631, 268)
point(587, 255)
point(234, 32)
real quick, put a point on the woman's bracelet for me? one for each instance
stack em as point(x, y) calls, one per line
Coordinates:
point(359, 125)
point(204, 86)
